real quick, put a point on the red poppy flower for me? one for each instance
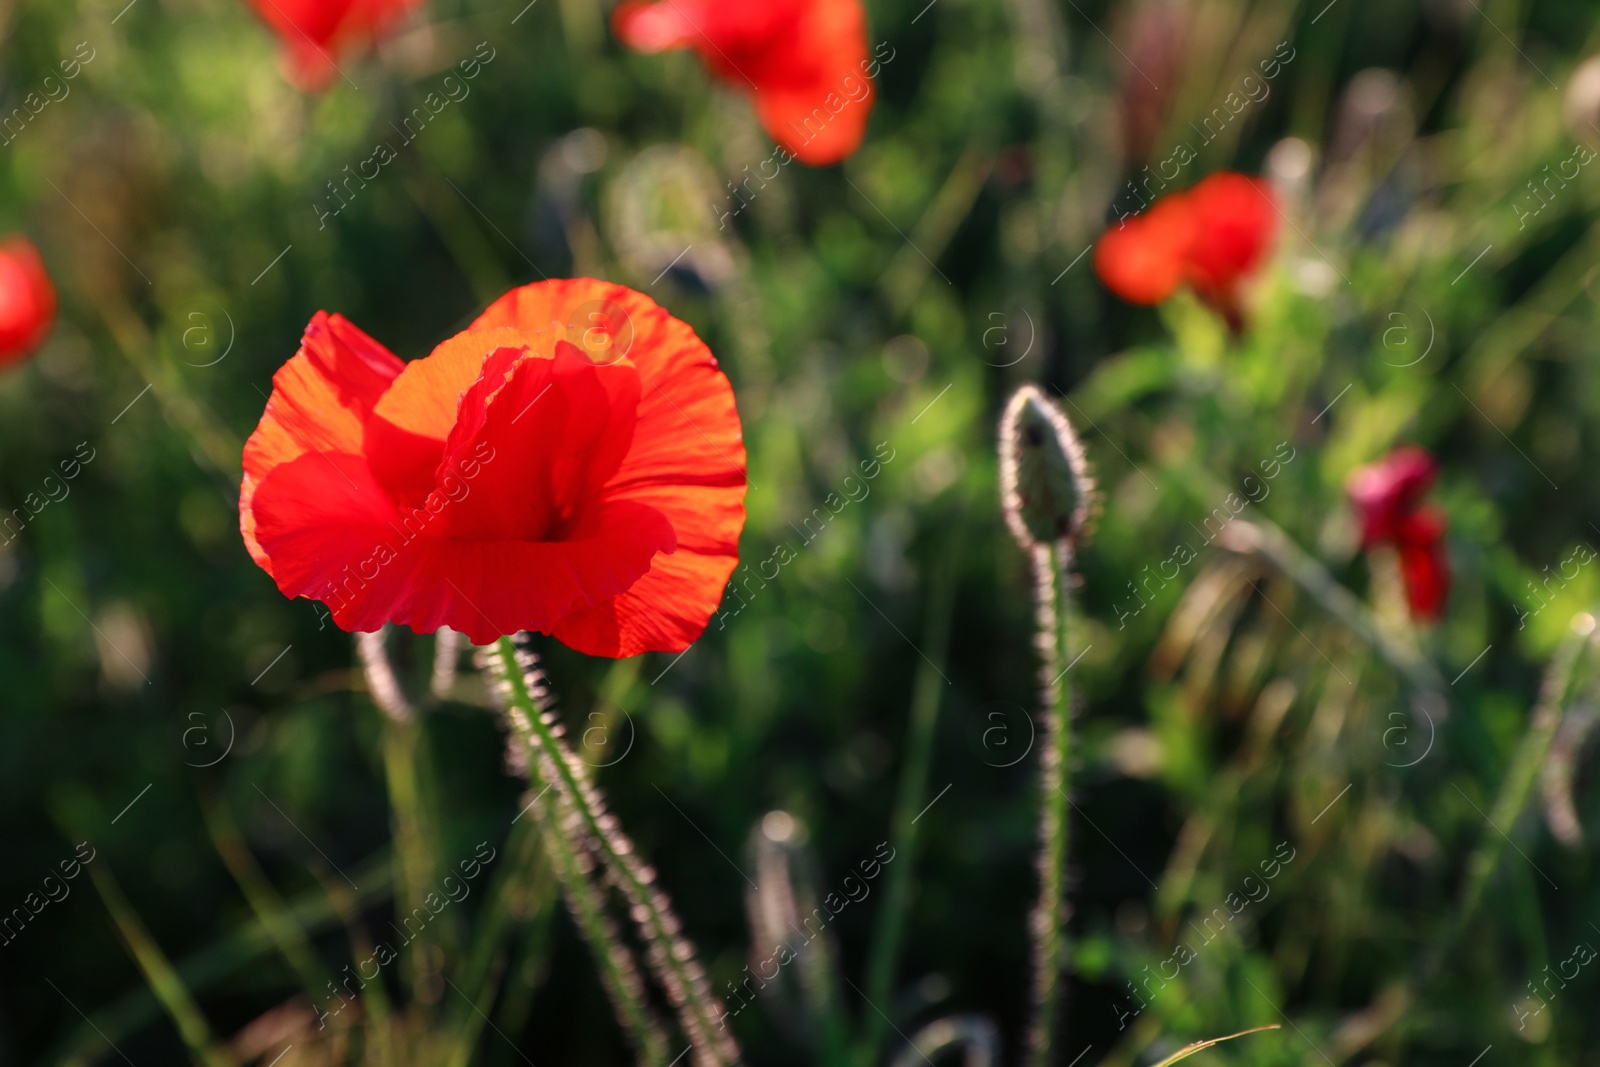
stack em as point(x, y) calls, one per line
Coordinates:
point(571, 463)
point(1213, 237)
point(805, 61)
point(316, 33)
point(1386, 492)
point(27, 300)
point(1388, 499)
point(1424, 563)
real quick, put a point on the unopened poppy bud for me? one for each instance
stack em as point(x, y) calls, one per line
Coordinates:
point(1046, 489)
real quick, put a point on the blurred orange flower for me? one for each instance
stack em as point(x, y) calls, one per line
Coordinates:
point(317, 33)
point(571, 463)
point(27, 300)
point(804, 61)
point(1214, 237)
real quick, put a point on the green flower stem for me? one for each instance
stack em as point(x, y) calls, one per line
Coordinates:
point(670, 956)
point(889, 933)
point(1052, 568)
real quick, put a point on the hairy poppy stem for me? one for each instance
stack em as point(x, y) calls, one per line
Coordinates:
point(1051, 575)
point(381, 681)
point(619, 973)
point(1047, 495)
point(446, 652)
point(581, 816)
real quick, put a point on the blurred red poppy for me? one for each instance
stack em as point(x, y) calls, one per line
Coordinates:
point(1424, 563)
point(1214, 237)
point(1387, 496)
point(316, 33)
point(27, 300)
point(571, 463)
point(804, 61)
point(1386, 492)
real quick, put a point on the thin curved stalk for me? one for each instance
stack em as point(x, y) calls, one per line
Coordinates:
point(975, 1035)
point(164, 981)
point(288, 936)
point(1267, 540)
point(522, 892)
point(670, 956)
point(1200, 1046)
point(313, 910)
point(381, 681)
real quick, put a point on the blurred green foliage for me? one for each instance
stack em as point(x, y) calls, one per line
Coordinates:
point(891, 302)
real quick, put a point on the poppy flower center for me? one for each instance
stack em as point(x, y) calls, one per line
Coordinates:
point(547, 429)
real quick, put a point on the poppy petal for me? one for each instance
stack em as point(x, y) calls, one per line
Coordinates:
point(1236, 217)
point(687, 461)
point(316, 33)
point(542, 436)
point(1425, 563)
point(1385, 492)
point(1143, 259)
point(651, 28)
point(804, 61)
point(664, 611)
point(807, 126)
point(320, 402)
point(814, 99)
point(339, 539)
point(27, 299)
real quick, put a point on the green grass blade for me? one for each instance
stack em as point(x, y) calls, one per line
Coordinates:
point(312, 911)
point(522, 891)
point(1200, 1046)
point(889, 931)
point(264, 900)
point(163, 979)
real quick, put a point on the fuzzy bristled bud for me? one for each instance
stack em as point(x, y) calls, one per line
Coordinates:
point(1046, 489)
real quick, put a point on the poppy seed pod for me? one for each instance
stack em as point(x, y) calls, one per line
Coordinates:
point(1046, 489)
